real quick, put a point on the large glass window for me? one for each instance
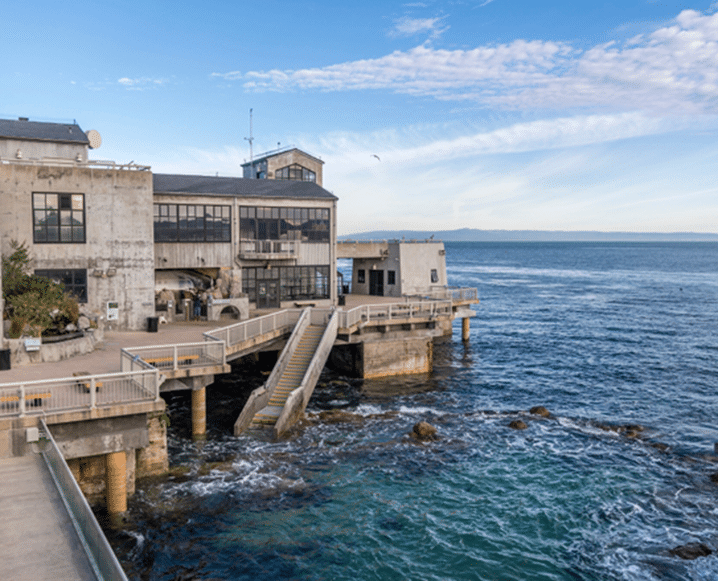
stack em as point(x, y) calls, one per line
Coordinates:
point(192, 223)
point(295, 172)
point(295, 282)
point(58, 218)
point(74, 281)
point(263, 223)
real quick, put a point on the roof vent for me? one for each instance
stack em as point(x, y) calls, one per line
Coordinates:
point(23, 119)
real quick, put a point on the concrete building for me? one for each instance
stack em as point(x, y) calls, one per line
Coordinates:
point(395, 268)
point(87, 224)
point(113, 234)
point(285, 164)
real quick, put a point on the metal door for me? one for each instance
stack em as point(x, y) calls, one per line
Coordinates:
point(376, 283)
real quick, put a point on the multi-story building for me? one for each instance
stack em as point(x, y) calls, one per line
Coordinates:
point(107, 231)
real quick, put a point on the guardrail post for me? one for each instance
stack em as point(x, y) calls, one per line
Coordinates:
point(93, 393)
point(175, 363)
point(22, 400)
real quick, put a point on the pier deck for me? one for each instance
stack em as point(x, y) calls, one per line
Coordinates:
point(37, 538)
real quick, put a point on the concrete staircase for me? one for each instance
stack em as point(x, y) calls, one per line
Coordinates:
point(290, 379)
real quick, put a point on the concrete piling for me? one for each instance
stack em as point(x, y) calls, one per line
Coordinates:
point(199, 413)
point(465, 329)
point(116, 482)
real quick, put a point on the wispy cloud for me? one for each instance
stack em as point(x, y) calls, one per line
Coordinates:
point(407, 26)
point(671, 69)
point(141, 83)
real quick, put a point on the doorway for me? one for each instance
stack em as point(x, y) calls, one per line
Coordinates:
point(376, 283)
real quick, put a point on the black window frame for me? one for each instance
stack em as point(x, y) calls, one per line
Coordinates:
point(295, 172)
point(51, 224)
point(188, 223)
point(282, 223)
point(74, 280)
point(361, 276)
point(303, 282)
point(391, 277)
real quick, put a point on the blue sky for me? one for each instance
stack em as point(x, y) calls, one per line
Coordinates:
point(491, 114)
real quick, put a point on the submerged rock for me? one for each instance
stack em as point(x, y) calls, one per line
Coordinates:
point(339, 416)
point(714, 477)
point(691, 551)
point(424, 431)
point(518, 425)
point(539, 410)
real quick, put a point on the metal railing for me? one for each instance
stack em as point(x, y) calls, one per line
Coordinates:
point(249, 249)
point(79, 393)
point(174, 357)
point(101, 556)
point(457, 294)
point(391, 311)
point(246, 330)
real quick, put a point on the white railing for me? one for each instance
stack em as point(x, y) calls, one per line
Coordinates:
point(246, 330)
point(79, 393)
point(456, 294)
point(174, 357)
point(268, 248)
point(391, 311)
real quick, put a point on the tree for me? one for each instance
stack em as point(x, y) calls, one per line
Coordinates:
point(32, 300)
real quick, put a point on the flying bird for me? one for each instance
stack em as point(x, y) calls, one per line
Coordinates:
point(375, 155)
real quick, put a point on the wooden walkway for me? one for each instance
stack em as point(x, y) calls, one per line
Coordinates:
point(37, 539)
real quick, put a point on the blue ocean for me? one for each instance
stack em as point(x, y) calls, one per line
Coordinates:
point(618, 341)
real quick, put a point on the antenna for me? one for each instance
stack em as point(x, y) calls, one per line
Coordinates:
point(251, 140)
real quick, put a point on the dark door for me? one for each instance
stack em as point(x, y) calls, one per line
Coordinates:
point(376, 283)
point(267, 294)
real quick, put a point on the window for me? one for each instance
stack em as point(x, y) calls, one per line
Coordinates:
point(192, 223)
point(295, 172)
point(295, 282)
point(58, 218)
point(264, 223)
point(391, 277)
point(434, 275)
point(74, 281)
point(361, 276)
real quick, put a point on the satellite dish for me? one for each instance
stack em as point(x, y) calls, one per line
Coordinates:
point(94, 138)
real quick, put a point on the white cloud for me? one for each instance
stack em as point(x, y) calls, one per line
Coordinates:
point(141, 82)
point(407, 26)
point(672, 69)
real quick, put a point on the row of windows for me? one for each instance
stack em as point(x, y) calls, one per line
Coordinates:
point(390, 276)
point(288, 282)
point(192, 223)
point(295, 172)
point(74, 281)
point(58, 218)
point(308, 224)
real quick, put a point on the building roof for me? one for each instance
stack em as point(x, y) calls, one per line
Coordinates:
point(241, 187)
point(39, 131)
point(278, 152)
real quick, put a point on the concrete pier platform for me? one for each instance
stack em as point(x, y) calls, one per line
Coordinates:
point(37, 539)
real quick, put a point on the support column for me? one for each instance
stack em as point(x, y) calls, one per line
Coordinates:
point(116, 482)
point(465, 322)
point(199, 413)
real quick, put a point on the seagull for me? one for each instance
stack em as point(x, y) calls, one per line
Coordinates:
point(375, 155)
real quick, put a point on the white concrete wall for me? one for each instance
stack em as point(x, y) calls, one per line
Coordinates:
point(40, 149)
point(118, 222)
point(417, 261)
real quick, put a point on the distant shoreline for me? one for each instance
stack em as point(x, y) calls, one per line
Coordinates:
point(475, 235)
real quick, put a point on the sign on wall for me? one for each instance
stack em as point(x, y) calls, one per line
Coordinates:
point(113, 311)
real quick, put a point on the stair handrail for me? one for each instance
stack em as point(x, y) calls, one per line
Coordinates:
point(299, 398)
point(260, 397)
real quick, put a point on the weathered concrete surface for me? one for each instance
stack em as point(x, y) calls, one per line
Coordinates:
point(37, 539)
point(152, 460)
point(53, 352)
point(105, 436)
point(397, 357)
point(118, 253)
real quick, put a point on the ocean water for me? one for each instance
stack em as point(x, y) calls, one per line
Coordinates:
point(619, 341)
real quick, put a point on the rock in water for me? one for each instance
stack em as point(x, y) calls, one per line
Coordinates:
point(539, 410)
point(691, 551)
point(424, 431)
point(518, 425)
